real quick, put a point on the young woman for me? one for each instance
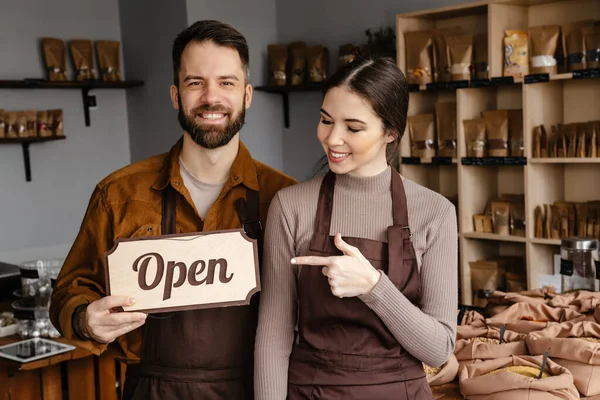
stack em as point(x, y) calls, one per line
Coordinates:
point(359, 279)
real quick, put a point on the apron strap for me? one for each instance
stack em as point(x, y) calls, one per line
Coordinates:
point(168, 216)
point(325, 206)
point(399, 206)
point(248, 210)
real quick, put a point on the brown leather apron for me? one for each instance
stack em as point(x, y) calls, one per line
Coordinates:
point(344, 350)
point(199, 354)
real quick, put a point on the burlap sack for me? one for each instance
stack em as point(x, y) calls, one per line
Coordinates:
point(580, 356)
point(476, 384)
point(526, 317)
point(581, 301)
point(470, 317)
point(486, 346)
point(446, 375)
point(500, 301)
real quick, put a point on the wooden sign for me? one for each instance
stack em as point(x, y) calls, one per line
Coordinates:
point(184, 271)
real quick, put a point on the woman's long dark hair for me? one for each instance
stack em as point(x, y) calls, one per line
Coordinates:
point(380, 82)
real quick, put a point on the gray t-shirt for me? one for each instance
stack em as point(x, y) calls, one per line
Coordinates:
point(203, 194)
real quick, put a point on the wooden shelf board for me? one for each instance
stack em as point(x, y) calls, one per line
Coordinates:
point(570, 160)
point(493, 236)
point(31, 139)
point(551, 242)
point(43, 84)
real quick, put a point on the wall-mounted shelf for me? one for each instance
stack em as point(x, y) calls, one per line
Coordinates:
point(25, 142)
point(84, 86)
point(284, 91)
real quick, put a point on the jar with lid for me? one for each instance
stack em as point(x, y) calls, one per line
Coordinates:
point(578, 258)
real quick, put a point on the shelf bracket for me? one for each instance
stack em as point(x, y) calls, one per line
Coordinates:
point(26, 161)
point(88, 102)
point(286, 110)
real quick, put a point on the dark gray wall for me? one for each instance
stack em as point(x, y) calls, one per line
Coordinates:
point(148, 28)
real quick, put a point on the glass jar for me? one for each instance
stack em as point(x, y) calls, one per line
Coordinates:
point(36, 277)
point(578, 258)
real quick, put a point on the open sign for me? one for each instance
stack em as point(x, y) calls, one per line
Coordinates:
point(184, 271)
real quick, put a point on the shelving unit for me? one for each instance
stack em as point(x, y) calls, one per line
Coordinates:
point(560, 98)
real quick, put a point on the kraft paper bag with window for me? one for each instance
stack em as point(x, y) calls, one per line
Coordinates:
point(575, 346)
point(515, 378)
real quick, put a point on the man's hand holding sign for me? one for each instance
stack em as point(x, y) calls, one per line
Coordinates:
point(349, 275)
point(172, 273)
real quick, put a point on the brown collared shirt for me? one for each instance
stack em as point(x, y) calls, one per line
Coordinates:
point(127, 204)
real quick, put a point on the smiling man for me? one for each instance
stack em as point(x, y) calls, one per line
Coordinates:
point(207, 182)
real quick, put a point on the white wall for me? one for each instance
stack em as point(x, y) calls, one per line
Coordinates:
point(256, 20)
point(41, 218)
point(330, 23)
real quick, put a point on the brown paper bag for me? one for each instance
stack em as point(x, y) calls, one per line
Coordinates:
point(422, 135)
point(55, 58)
point(297, 65)
point(515, 133)
point(475, 137)
point(446, 374)
point(489, 380)
point(496, 132)
point(445, 114)
point(575, 346)
point(419, 57)
point(543, 44)
point(318, 63)
point(108, 53)
point(278, 61)
point(441, 64)
point(2, 124)
point(526, 317)
point(460, 56)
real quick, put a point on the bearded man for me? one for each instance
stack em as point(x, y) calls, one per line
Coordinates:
point(200, 354)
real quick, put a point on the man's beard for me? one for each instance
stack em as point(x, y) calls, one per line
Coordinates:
point(209, 136)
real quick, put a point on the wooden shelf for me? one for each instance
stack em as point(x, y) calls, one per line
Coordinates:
point(551, 242)
point(548, 99)
point(571, 160)
point(493, 236)
point(285, 91)
point(25, 142)
point(84, 86)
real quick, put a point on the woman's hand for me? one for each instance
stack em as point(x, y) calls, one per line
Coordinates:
point(349, 275)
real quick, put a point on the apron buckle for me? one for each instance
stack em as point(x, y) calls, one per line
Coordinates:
point(407, 228)
point(252, 228)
